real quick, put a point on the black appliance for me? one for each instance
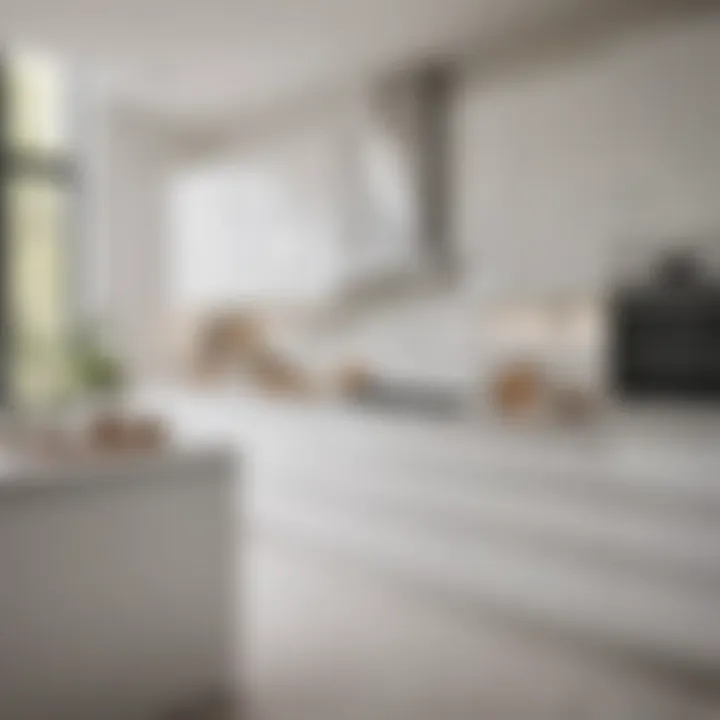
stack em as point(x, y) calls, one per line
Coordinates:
point(666, 335)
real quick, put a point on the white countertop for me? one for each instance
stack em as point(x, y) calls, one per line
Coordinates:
point(607, 529)
point(19, 474)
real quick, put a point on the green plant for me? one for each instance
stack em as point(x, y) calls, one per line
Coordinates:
point(93, 369)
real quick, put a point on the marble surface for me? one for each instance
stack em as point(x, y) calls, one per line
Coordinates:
point(406, 567)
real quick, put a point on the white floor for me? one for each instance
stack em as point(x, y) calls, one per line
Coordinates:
point(331, 641)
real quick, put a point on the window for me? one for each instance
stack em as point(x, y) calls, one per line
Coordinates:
point(258, 230)
point(37, 186)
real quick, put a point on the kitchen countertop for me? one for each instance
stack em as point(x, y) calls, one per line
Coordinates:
point(20, 474)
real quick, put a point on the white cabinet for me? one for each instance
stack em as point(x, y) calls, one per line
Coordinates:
point(118, 587)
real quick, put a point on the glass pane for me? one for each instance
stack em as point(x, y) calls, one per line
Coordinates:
point(39, 215)
point(38, 117)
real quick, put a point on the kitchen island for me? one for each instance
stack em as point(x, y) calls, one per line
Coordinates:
point(117, 583)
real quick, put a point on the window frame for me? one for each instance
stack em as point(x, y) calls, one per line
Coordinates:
point(59, 168)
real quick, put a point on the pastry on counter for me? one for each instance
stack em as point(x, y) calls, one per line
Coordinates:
point(352, 379)
point(519, 389)
point(115, 433)
point(273, 373)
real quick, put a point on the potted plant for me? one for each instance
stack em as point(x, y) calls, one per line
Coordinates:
point(96, 374)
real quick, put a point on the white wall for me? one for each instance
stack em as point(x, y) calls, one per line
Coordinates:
point(560, 166)
point(570, 168)
point(141, 156)
point(563, 169)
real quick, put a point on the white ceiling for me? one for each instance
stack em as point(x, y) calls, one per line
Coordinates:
point(202, 59)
